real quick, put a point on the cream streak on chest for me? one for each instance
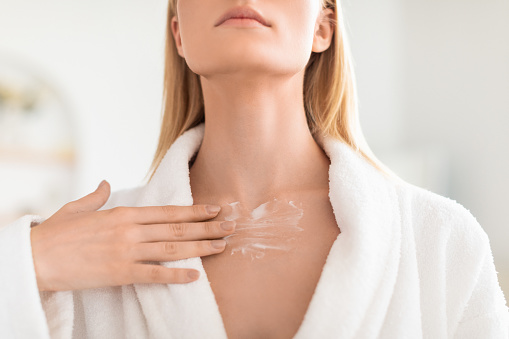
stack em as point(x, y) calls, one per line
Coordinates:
point(272, 226)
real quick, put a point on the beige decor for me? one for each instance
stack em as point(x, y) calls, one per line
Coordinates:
point(37, 152)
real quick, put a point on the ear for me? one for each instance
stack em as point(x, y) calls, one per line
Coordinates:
point(324, 30)
point(175, 30)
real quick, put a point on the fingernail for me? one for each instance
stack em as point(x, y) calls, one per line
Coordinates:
point(212, 209)
point(218, 243)
point(227, 225)
point(193, 274)
point(101, 183)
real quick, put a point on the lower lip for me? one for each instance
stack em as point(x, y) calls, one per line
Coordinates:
point(244, 22)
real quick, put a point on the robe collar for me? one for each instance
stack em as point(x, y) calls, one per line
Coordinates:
point(357, 280)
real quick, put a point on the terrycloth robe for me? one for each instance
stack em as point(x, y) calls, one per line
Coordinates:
point(408, 263)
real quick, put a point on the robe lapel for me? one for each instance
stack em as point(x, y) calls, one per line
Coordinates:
point(178, 310)
point(357, 281)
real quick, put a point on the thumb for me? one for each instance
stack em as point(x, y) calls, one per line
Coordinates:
point(92, 201)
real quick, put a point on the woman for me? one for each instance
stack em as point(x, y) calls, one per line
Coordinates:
point(260, 119)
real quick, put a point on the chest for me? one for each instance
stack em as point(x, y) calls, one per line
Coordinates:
point(264, 280)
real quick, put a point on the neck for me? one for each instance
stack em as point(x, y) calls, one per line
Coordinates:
point(257, 143)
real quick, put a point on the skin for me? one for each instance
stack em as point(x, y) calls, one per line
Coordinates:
point(257, 146)
point(252, 80)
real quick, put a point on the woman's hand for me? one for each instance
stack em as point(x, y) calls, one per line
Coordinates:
point(79, 247)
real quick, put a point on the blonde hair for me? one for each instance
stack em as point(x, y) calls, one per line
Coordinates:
point(330, 97)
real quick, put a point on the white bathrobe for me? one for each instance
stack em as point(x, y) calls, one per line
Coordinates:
point(408, 263)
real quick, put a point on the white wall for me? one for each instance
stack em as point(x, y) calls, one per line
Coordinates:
point(457, 94)
point(106, 58)
point(374, 31)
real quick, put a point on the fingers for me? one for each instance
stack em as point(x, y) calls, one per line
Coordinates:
point(171, 251)
point(144, 274)
point(183, 231)
point(168, 214)
point(92, 201)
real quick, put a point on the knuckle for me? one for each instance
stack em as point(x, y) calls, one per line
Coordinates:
point(205, 246)
point(129, 254)
point(155, 273)
point(121, 213)
point(198, 210)
point(170, 248)
point(131, 234)
point(209, 227)
point(218, 228)
point(169, 209)
point(178, 230)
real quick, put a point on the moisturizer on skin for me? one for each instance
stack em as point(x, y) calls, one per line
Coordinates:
point(271, 226)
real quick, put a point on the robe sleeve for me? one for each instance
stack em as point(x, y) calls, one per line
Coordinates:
point(26, 312)
point(486, 314)
point(22, 313)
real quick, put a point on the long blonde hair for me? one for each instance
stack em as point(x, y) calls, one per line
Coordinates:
point(330, 97)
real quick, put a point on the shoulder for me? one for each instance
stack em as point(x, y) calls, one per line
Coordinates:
point(455, 263)
point(442, 220)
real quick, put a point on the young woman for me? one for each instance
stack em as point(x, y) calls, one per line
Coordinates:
point(324, 241)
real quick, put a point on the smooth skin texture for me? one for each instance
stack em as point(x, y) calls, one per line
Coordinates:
point(257, 141)
point(257, 146)
point(80, 247)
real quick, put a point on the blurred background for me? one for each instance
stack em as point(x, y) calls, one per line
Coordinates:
point(81, 83)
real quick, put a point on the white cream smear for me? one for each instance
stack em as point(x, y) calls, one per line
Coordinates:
point(271, 226)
